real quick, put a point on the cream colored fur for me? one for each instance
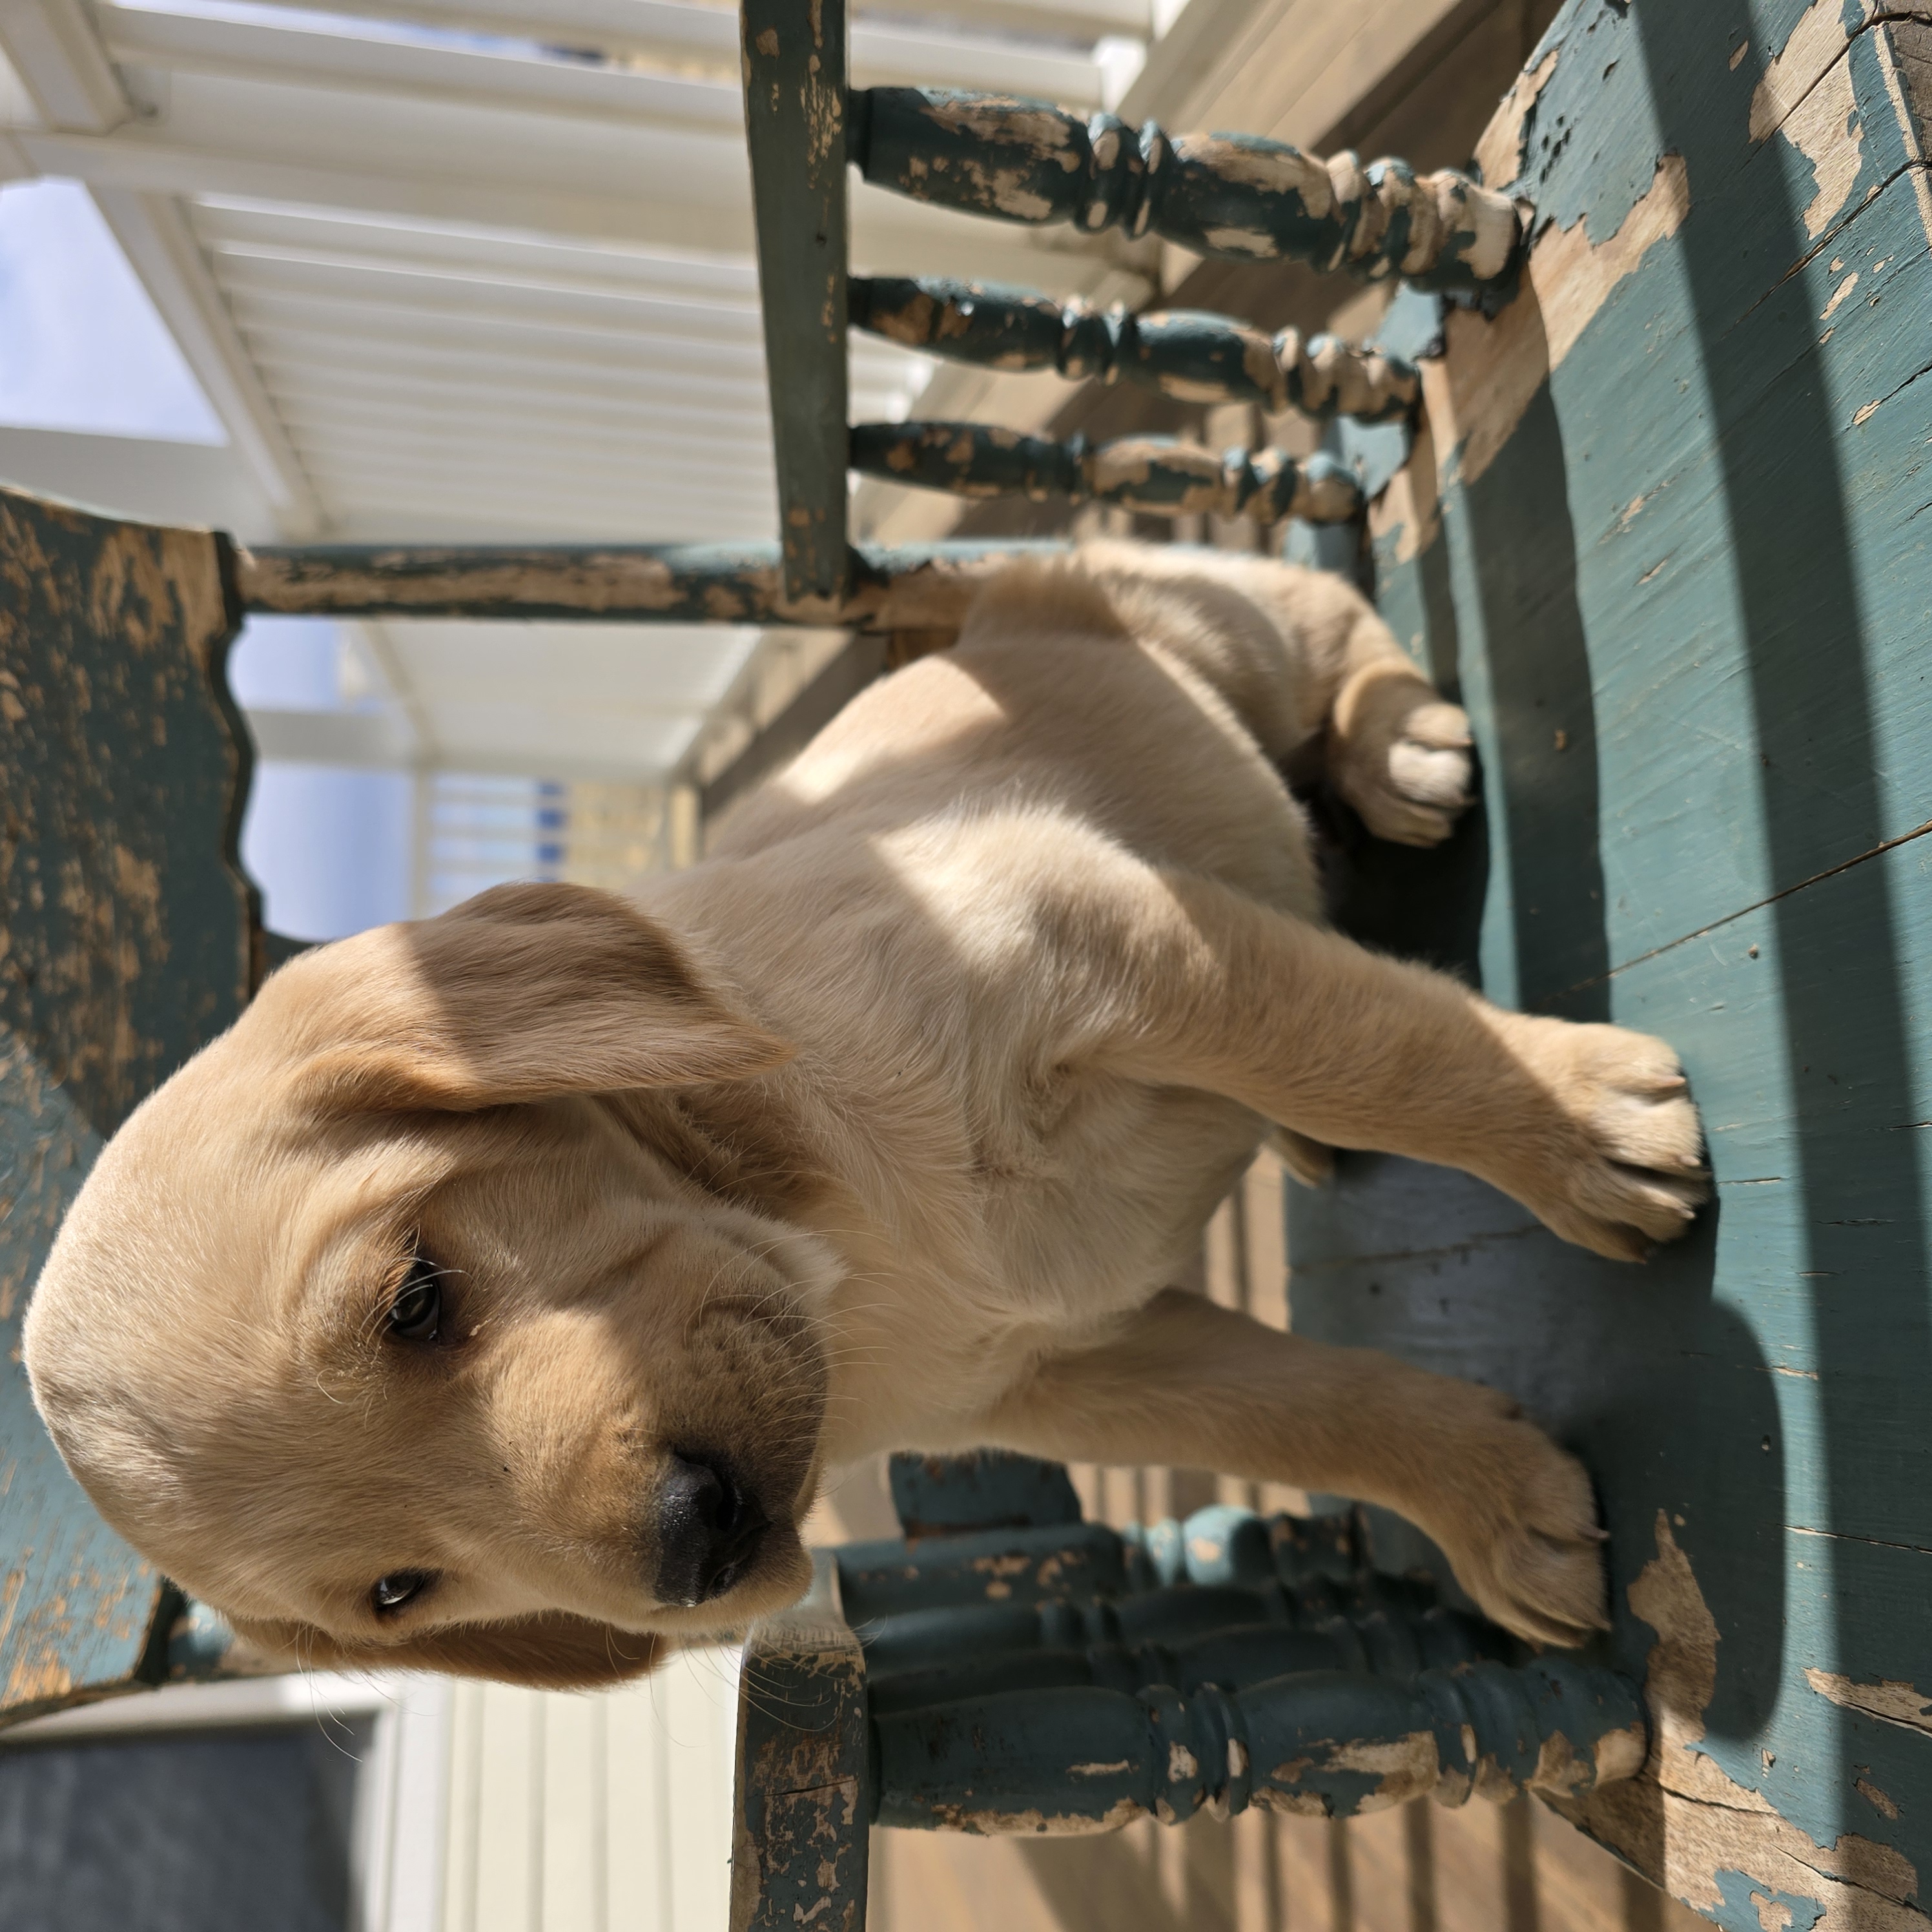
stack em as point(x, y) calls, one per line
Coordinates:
point(887, 1126)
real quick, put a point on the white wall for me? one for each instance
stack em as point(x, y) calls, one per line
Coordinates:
point(605, 1813)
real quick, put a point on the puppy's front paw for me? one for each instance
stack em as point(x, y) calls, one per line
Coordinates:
point(1399, 755)
point(1520, 1529)
point(1630, 1171)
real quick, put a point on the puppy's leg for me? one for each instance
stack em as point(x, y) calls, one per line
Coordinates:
point(1302, 657)
point(1187, 1383)
point(1178, 981)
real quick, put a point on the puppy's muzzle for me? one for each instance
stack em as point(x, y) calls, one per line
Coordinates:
point(710, 1527)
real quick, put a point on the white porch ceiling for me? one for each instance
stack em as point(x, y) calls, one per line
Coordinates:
point(470, 270)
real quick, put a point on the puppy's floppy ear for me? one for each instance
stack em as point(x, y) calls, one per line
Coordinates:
point(523, 992)
point(549, 1652)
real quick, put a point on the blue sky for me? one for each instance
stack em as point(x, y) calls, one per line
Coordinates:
point(81, 348)
point(329, 848)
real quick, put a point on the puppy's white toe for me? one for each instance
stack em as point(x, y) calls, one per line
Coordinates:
point(1430, 774)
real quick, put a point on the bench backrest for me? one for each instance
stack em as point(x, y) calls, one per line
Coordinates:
point(127, 938)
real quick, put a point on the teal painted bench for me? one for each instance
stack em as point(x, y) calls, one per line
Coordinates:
point(1005, 1667)
point(128, 938)
point(1654, 508)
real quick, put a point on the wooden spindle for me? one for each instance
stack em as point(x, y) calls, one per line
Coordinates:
point(958, 1656)
point(1232, 1559)
point(793, 53)
point(1190, 355)
point(1232, 195)
point(1155, 475)
point(1083, 1758)
point(890, 587)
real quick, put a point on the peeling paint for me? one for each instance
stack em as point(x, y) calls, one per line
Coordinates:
point(1688, 1825)
point(799, 1828)
point(1235, 195)
point(1815, 45)
point(1157, 475)
point(1475, 393)
point(1825, 127)
point(1894, 1702)
point(128, 944)
point(1499, 152)
point(1838, 295)
point(1192, 357)
point(1878, 1800)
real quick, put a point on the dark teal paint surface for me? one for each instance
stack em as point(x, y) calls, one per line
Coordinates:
point(1695, 562)
point(127, 924)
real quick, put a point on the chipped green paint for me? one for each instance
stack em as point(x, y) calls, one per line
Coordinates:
point(1232, 195)
point(1669, 525)
point(1192, 357)
point(1183, 1637)
point(993, 1489)
point(1080, 1560)
point(125, 938)
point(1233, 1657)
point(1224, 1543)
point(798, 1826)
point(1322, 1562)
point(794, 62)
point(909, 586)
point(1083, 1758)
point(1157, 476)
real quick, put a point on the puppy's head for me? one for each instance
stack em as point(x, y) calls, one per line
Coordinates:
point(389, 1328)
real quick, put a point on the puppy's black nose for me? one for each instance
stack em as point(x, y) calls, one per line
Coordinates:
point(709, 1528)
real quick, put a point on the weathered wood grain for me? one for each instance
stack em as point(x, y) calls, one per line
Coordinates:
point(1083, 1759)
point(907, 586)
point(1081, 1562)
point(1665, 526)
point(993, 1489)
point(1234, 195)
point(125, 944)
point(1157, 475)
point(1189, 355)
point(799, 1837)
point(938, 1657)
point(794, 61)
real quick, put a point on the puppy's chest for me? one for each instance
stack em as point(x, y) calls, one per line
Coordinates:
point(1089, 1198)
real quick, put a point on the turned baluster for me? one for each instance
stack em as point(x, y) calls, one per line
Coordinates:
point(1192, 357)
point(1371, 1641)
point(1218, 194)
point(1083, 1758)
point(1157, 475)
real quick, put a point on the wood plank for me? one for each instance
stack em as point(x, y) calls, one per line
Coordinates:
point(794, 53)
point(799, 1837)
point(125, 945)
point(1663, 528)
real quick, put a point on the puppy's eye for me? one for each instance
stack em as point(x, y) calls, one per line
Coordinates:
point(401, 1587)
point(416, 1313)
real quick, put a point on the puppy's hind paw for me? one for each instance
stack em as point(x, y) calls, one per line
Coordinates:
point(1525, 1543)
point(1400, 755)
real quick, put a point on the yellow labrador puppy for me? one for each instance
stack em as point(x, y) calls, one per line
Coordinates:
point(496, 1295)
